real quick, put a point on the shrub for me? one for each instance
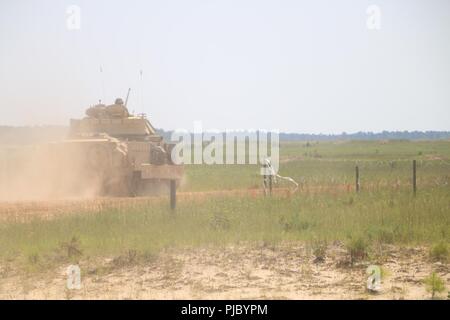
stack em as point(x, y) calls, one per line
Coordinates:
point(72, 247)
point(434, 284)
point(439, 252)
point(357, 249)
point(319, 250)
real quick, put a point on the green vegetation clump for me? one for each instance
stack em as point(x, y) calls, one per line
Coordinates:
point(319, 250)
point(434, 284)
point(439, 252)
point(357, 248)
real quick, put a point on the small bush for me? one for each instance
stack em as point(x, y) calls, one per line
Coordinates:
point(357, 249)
point(434, 284)
point(385, 272)
point(72, 248)
point(319, 250)
point(128, 259)
point(439, 252)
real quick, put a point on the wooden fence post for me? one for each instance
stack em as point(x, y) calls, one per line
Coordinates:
point(270, 185)
point(357, 183)
point(173, 194)
point(267, 179)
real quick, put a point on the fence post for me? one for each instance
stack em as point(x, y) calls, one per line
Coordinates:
point(267, 178)
point(357, 183)
point(270, 185)
point(173, 194)
point(414, 177)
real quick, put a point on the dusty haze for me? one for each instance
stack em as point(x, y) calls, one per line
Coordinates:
point(44, 172)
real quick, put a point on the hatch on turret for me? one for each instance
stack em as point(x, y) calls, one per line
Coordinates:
point(114, 120)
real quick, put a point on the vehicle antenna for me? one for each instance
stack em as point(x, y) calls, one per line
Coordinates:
point(128, 94)
point(142, 91)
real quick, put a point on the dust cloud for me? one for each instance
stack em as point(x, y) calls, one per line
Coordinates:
point(48, 171)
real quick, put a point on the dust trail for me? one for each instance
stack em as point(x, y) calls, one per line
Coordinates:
point(48, 171)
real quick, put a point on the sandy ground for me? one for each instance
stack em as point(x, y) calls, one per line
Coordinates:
point(287, 271)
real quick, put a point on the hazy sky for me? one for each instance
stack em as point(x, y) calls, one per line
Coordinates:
point(296, 66)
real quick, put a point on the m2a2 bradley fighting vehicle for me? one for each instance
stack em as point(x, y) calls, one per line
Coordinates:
point(110, 152)
point(124, 151)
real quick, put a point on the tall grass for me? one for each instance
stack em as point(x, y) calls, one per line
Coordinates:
point(379, 216)
point(385, 211)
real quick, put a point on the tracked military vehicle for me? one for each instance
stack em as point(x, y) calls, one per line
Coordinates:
point(124, 150)
point(110, 152)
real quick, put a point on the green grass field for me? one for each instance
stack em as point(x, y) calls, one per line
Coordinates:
point(333, 163)
point(385, 211)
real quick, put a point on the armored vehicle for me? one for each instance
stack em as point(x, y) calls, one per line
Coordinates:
point(110, 152)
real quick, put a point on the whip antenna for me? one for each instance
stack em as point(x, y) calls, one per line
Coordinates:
point(142, 91)
point(128, 94)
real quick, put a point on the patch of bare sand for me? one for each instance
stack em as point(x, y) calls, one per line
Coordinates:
point(235, 272)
